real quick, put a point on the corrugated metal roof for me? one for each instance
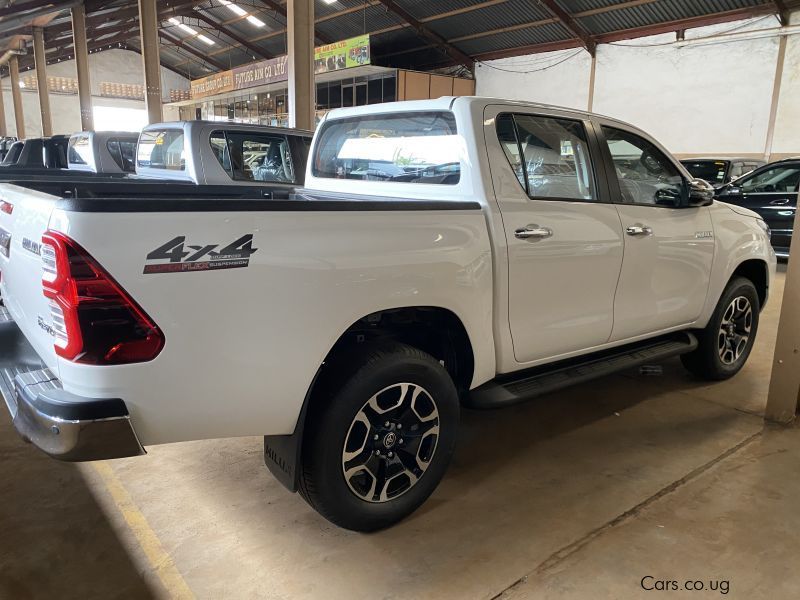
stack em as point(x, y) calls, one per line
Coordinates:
point(475, 27)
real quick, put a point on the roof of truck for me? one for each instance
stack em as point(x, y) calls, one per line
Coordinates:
point(230, 126)
point(447, 103)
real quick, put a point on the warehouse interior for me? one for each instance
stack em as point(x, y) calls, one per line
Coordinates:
point(648, 479)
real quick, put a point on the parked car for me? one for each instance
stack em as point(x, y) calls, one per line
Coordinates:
point(770, 191)
point(719, 171)
point(215, 152)
point(38, 153)
point(349, 322)
point(102, 151)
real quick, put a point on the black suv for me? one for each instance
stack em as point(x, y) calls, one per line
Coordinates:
point(719, 171)
point(771, 191)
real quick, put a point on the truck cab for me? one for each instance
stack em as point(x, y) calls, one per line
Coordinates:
point(211, 152)
point(102, 152)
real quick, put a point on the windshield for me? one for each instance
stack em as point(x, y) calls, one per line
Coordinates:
point(412, 148)
point(713, 171)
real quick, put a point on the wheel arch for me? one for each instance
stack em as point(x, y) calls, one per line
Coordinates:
point(432, 329)
point(757, 271)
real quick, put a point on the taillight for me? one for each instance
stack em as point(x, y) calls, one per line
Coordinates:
point(95, 321)
point(6, 207)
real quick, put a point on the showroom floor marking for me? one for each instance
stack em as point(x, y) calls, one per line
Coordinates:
point(570, 549)
point(160, 561)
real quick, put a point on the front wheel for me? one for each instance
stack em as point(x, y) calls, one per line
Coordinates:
point(727, 340)
point(377, 447)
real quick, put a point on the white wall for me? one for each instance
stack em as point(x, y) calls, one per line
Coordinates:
point(116, 66)
point(695, 99)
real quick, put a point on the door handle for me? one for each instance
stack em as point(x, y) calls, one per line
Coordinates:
point(639, 230)
point(533, 232)
point(780, 202)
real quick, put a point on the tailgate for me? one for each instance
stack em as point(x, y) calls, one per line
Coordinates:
point(24, 217)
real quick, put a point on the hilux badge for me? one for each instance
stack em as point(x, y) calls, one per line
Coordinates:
point(703, 235)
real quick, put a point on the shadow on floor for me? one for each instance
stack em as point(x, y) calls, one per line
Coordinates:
point(55, 540)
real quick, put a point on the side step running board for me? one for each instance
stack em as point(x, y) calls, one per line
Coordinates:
point(549, 378)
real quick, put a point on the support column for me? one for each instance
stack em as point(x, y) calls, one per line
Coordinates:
point(16, 96)
point(82, 64)
point(148, 27)
point(591, 80)
point(776, 94)
point(41, 81)
point(302, 91)
point(784, 385)
point(3, 130)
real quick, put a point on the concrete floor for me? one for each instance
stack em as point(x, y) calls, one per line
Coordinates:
point(577, 495)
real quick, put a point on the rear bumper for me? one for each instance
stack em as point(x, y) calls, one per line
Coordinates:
point(61, 424)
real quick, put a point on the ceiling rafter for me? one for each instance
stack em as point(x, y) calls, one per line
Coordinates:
point(571, 25)
point(213, 23)
point(191, 50)
point(426, 32)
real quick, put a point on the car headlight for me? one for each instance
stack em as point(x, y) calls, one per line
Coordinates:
point(764, 227)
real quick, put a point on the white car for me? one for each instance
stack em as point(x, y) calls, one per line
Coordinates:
point(508, 250)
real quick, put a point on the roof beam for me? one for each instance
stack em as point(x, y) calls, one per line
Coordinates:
point(187, 74)
point(571, 25)
point(783, 11)
point(255, 50)
point(281, 10)
point(180, 44)
point(427, 33)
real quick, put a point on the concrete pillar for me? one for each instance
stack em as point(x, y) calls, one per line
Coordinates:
point(40, 61)
point(148, 27)
point(82, 64)
point(592, 73)
point(16, 96)
point(776, 94)
point(784, 386)
point(3, 130)
point(302, 92)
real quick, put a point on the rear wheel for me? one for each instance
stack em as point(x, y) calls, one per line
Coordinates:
point(377, 446)
point(727, 340)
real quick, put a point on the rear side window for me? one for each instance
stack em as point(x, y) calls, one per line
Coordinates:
point(162, 149)
point(781, 179)
point(549, 156)
point(413, 148)
point(123, 153)
point(80, 150)
point(254, 157)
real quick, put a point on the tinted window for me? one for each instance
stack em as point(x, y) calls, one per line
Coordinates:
point(123, 152)
point(646, 175)
point(161, 150)
point(13, 153)
point(80, 151)
point(411, 148)
point(254, 157)
point(712, 171)
point(552, 156)
point(774, 180)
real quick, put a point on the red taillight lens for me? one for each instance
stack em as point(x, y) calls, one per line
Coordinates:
point(6, 207)
point(95, 321)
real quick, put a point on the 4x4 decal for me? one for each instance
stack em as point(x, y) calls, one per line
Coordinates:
point(184, 258)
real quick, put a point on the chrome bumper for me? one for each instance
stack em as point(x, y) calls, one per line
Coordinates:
point(61, 424)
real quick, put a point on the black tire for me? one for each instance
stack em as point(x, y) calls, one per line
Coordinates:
point(707, 360)
point(354, 503)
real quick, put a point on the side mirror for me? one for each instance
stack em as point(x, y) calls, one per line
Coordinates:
point(699, 193)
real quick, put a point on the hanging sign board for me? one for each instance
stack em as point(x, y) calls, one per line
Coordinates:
point(353, 52)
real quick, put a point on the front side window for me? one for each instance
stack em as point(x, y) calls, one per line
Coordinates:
point(551, 158)
point(254, 157)
point(646, 175)
point(163, 149)
point(774, 180)
point(411, 148)
point(80, 150)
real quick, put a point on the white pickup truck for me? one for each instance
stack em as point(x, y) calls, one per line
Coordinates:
point(443, 252)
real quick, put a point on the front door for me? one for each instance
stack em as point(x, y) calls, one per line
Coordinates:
point(669, 247)
point(564, 241)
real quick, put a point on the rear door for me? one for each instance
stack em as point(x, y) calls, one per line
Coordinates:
point(668, 248)
point(564, 239)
